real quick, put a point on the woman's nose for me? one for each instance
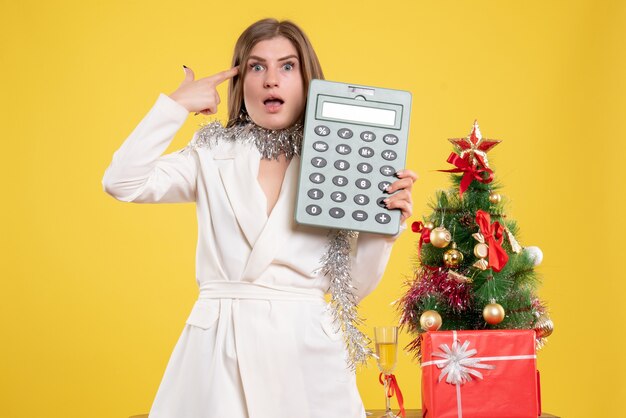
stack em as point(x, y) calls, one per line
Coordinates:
point(271, 79)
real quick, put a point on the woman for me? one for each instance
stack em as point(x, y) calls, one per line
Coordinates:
point(260, 341)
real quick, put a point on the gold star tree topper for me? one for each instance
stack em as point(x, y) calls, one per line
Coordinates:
point(475, 147)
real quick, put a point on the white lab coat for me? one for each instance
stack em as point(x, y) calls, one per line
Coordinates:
point(259, 342)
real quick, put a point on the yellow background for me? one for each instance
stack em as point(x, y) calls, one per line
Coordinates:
point(95, 292)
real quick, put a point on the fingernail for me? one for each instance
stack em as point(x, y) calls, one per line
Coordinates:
point(399, 173)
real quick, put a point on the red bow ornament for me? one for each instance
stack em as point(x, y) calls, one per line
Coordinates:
point(494, 235)
point(419, 228)
point(470, 172)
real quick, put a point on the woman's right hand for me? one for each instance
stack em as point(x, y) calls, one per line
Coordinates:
point(201, 95)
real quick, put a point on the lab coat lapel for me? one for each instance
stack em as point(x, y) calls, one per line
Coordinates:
point(278, 227)
point(237, 164)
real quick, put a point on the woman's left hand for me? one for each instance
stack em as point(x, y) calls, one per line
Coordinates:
point(402, 199)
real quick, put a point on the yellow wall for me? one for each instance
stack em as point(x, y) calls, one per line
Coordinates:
point(95, 292)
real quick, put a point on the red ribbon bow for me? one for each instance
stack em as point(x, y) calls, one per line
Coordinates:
point(471, 172)
point(393, 388)
point(494, 235)
point(419, 228)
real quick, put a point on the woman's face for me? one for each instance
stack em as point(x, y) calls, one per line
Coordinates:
point(273, 90)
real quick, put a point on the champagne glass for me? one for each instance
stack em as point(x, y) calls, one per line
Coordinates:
point(386, 339)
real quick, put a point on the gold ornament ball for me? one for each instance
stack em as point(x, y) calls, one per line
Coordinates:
point(430, 321)
point(452, 258)
point(429, 225)
point(493, 313)
point(481, 250)
point(544, 326)
point(440, 237)
point(495, 198)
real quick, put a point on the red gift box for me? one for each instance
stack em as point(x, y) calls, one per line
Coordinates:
point(479, 374)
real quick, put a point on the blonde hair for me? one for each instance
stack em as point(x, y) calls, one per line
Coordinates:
point(263, 30)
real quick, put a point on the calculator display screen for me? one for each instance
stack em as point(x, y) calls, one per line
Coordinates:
point(361, 114)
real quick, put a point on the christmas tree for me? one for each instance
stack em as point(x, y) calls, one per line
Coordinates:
point(470, 271)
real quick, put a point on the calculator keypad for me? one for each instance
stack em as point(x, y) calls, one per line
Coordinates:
point(338, 161)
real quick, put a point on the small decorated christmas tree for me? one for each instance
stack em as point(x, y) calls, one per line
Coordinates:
point(470, 271)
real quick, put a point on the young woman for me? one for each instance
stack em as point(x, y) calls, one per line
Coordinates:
point(260, 341)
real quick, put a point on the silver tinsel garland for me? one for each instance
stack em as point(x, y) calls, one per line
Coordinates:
point(270, 143)
point(336, 260)
point(336, 265)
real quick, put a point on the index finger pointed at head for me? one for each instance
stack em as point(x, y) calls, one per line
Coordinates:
point(225, 75)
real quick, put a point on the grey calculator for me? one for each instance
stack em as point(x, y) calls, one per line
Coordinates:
point(355, 140)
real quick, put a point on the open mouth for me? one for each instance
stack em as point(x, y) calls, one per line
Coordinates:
point(272, 104)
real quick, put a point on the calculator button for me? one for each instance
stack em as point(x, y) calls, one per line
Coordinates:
point(382, 218)
point(338, 196)
point(390, 139)
point(366, 152)
point(361, 199)
point(365, 168)
point(344, 133)
point(320, 146)
point(317, 178)
point(387, 170)
point(315, 194)
point(337, 212)
point(321, 130)
point(318, 162)
point(363, 183)
point(340, 181)
point(343, 149)
point(341, 165)
point(389, 155)
point(313, 210)
point(380, 202)
point(383, 185)
point(359, 215)
point(368, 136)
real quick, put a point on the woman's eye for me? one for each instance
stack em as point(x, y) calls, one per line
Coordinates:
point(288, 66)
point(256, 67)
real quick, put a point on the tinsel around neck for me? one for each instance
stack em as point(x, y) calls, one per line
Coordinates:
point(271, 143)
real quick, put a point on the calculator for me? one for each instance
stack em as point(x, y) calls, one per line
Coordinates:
point(355, 140)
